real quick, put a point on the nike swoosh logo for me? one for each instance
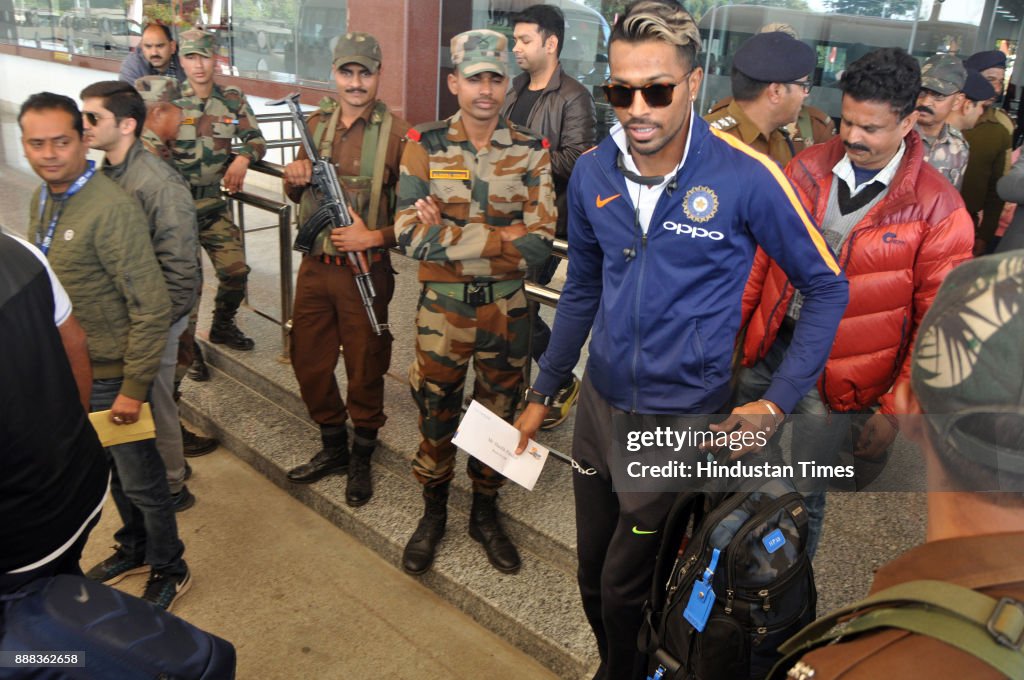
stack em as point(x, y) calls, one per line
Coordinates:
point(602, 202)
point(84, 596)
point(641, 532)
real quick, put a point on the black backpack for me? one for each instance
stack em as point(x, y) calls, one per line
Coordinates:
point(763, 586)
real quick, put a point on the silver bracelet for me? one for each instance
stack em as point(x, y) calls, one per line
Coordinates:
point(771, 409)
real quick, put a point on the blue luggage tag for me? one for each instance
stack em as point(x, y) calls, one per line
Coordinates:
point(774, 541)
point(702, 597)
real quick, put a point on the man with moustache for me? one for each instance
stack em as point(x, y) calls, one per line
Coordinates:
point(548, 101)
point(364, 140)
point(156, 55)
point(476, 207)
point(898, 227)
point(95, 237)
point(661, 240)
point(942, 81)
point(991, 143)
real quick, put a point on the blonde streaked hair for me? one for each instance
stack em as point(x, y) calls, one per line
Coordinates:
point(662, 20)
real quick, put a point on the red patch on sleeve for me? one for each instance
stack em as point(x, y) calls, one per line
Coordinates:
point(413, 134)
point(545, 143)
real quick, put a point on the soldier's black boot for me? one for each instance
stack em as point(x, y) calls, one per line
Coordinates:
point(332, 458)
point(485, 529)
point(198, 370)
point(419, 552)
point(194, 444)
point(225, 332)
point(359, 486)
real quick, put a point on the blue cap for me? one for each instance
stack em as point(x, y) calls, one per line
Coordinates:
point(980, 61)
point(775, 58)
point(976, 88)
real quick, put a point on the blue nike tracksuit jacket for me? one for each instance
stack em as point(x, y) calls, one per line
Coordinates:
point(665, 309)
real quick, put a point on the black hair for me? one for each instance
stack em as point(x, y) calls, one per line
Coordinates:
point(162, 26)
point(121, 99)
point(48, 101)
point(888, 75)
point(745, 88)
point(549, 19)
point(662, 20)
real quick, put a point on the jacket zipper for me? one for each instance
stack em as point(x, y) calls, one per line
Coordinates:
point(636, 313)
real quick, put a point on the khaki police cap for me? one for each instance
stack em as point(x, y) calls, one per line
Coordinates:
point(357, 48)
point(943, 73)
point(158, 89)
point(480, 51)
point(198, 42)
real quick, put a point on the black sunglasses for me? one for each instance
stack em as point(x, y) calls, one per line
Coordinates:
point(93, 118)
point(657, 95)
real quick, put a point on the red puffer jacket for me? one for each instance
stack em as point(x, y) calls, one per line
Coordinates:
point(895, 260)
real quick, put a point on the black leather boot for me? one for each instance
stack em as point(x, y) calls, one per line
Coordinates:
point(198, 371)
point(225, 332)
point(332, 458)
point(485, 529)
point(359, 486)
point(196, 445)
point(419, 552)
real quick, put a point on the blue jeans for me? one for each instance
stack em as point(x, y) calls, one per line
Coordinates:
point(143, 499)
point(817, 435)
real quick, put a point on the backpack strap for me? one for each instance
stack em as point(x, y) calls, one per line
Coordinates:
point(375, 148)
point(990, 630)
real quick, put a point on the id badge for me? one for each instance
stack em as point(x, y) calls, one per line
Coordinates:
point(702, 597)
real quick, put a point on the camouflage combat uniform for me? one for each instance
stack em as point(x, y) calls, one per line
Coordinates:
point(472, 304)
point(203, 153)
point(947, 153)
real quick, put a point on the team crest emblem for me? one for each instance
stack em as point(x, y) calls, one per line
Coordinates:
point(700, 204)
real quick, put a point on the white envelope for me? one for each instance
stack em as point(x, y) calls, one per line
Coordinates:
point(493, 442)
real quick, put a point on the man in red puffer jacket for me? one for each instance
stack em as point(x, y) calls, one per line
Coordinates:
point(898, 227)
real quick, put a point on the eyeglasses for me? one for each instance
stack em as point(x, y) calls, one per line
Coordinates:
point(657, 95)
point(936, 96)
point(805, 85)
point(95, 118)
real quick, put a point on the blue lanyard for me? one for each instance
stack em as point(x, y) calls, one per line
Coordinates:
point(47, 241)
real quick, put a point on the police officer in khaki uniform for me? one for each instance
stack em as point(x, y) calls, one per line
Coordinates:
point(476, 206)
point(991, 142)
point(365, 142)
point(770, 81)
point(213, 117)
point(942, 79)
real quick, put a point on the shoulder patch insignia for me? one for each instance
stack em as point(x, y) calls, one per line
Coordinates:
point(700, 204)
point(545, 143)
point(188, 121)
point(723, 123)
point(327, 105)
point(414, 134)
point(442, 173)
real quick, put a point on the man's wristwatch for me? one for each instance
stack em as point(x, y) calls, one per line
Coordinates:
point(535, 397)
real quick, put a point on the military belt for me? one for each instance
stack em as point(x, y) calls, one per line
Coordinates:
point(207, 191)
point(373, 255)
point(477, 293)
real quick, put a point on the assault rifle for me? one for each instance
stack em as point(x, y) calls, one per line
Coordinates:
point(333, 211)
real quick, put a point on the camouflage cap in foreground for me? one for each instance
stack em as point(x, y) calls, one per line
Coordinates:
point(158, 89)
point(357, 48)
point(480, 51)
point(944, 74)
point(968, 368)
point(198, 42)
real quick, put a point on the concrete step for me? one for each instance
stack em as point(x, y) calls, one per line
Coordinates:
point(249, 407)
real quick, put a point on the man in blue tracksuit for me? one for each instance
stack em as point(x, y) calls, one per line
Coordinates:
point(664, 218)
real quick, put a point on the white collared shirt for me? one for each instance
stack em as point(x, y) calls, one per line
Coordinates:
point(844, 171)
point(645, 198)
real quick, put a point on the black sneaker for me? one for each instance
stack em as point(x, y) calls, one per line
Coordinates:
point(115, 568)
point(561, 405)
point(183, 500)
point(163, 590)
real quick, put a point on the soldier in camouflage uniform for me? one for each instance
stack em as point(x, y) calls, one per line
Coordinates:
point(364, 141)
point(768, 85)
point(213, 116)
point(163, 118)
point(476, 206)
point(942, 83)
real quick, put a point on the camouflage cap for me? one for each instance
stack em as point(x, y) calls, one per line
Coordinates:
point(198, 42)
point(480, 51)
point(357, 48)
point(943, 73)
point(779, 27)
point(159, 89)
point(967, 361)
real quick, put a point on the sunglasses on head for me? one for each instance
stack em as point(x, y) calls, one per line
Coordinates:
point(657, 95)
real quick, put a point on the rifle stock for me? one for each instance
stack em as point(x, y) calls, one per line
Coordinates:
point(333, 211)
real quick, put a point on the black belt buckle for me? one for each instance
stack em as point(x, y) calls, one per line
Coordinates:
point(478, 294)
